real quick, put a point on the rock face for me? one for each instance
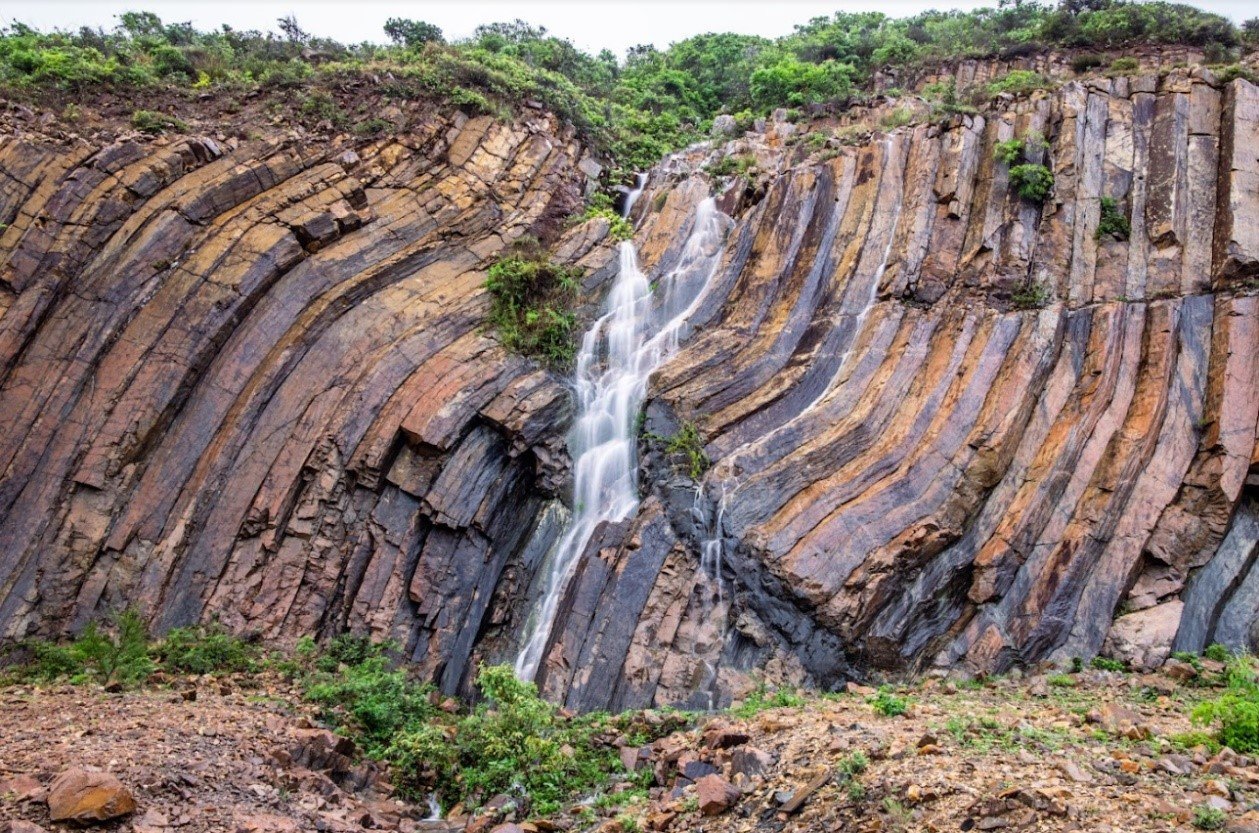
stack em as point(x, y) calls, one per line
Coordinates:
point(946, 425)
point(908, 467)
point(254, 385)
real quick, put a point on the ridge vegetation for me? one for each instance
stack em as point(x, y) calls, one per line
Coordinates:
point(633, 109)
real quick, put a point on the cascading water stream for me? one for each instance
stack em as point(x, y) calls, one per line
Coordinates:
point(618, 355)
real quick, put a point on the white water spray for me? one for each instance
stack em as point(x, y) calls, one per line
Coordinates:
point(617, 357)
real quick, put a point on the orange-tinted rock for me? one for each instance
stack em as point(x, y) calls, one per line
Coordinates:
point(84, 797)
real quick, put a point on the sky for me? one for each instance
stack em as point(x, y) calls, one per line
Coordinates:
point(591, 25)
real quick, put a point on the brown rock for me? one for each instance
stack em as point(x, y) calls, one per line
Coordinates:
point(21, 826)
point(716, 794)
point(22, 788)
point(86, 796)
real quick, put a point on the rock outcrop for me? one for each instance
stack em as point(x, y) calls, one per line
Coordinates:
point(947, 426)
point(254, 384)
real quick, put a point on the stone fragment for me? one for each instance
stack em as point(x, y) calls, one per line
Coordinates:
point(716, 794)
point(85, 796)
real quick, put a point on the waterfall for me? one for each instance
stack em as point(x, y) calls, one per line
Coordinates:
point(640, 328)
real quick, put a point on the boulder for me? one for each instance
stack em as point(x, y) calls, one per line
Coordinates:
point(1144, 639)
point(716, 794)
point(724, 125)
point(85, 796)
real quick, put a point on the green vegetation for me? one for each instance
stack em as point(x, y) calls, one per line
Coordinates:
point(1031, 296)
point(1206, 817)
point(205, 649)
point(689, 446)
point(888, 704)
point(1009, 151)
point(1086, 61)
point(761, 698)
point(600, 206)
point(514, 743)
point(147, 121)
point(1061, 680)
point(1124, 65)
point(633, 108)
point(119, 653)
point(1113, 222)
point(113, 654)
point(1217, 652)
point(1108, 664)
point(1018, 82)
point(731, 166)
point(1236, 711)
point(1032, 182)
point(530, 306)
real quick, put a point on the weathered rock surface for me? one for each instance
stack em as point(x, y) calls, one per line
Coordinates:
point(85, 796)
point(909, 469)
point(253, 384)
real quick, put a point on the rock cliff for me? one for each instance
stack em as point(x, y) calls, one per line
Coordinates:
point(946, 426)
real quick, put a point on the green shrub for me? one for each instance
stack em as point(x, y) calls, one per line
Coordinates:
point(1217, 652)
point(1061, 680)
point(1113, 222)
point(530, 300)
point(1206, 817)
point(762, 698)
point(1032, 182)
point(1236, 711)
point(689, 446)
point(731, 166)
point(899, 117)
point(600, 207)
point(205, 649)
point(1009, 151)
point(115, 653)
point(370, 698)
point(148, 121)
point(886, 703)
point(1031, 296)
point(373, 127)
point(854, 764)
point(1124, 66)
point(1018, 82)
point(1108, 664)
point(514, 744)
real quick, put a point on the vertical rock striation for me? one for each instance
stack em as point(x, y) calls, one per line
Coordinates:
point(947, 426)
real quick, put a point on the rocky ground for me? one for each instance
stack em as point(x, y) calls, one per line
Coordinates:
point(238, 755)
point(1095, 751)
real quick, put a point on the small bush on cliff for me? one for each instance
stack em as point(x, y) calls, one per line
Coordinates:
point(1113, 222)
point(600, 207)
point(1009, 151)
point(1031, 296)
point(1018, 82)
point(530, 305)
point(1086, 61)
point(1032, 182)
point(1124, 65)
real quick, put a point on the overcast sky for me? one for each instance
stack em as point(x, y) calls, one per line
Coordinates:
point(592, 25)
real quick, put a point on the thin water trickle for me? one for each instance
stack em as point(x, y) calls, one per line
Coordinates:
point(638, 331)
